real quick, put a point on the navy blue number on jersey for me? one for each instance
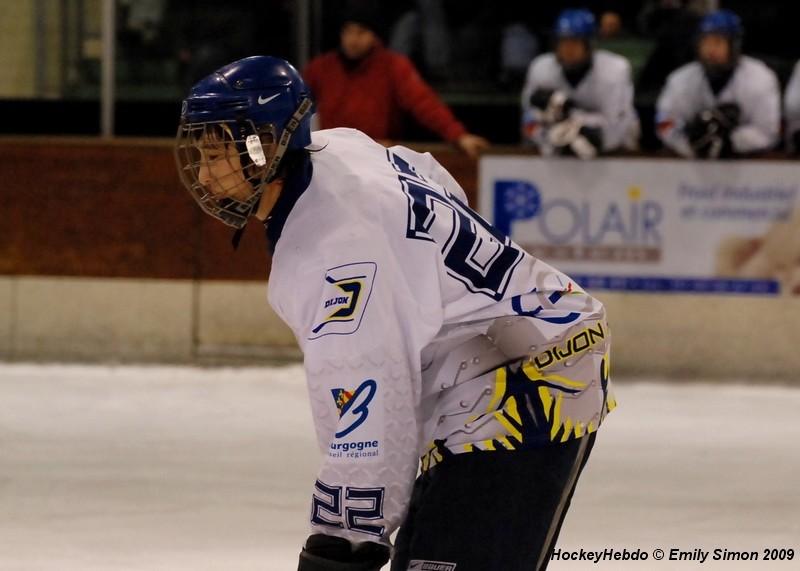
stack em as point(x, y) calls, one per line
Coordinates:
point(475, 253)
point(362, 506)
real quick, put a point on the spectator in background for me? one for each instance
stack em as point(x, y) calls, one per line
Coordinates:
point(518, 46)
point(614, 16)
point(578, 100)
point(673, 26)
point(368, 87)
point(208, 34)
point(452, 41)
point(467, 44)
point(724, 104)
point(792, 111)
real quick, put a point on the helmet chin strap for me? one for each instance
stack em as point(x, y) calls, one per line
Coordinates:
point(274, 163)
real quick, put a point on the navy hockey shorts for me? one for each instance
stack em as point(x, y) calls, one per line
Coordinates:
point(491, 511)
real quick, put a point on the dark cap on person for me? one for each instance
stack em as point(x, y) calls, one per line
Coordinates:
point(366, 13)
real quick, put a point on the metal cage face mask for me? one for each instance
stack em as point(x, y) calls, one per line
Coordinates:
point(223, 165)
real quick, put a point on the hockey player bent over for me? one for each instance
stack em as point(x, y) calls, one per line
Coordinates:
point(426, 335)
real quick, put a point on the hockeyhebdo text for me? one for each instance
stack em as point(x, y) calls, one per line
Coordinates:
point(694, 555)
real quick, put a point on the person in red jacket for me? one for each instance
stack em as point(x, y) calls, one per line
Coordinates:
point(368, 87)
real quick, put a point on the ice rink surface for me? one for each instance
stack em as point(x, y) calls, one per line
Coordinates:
point(161, 468)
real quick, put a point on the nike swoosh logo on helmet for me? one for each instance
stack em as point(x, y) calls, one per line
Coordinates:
point(262, 101)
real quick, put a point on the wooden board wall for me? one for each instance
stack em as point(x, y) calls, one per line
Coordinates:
point(94, 208)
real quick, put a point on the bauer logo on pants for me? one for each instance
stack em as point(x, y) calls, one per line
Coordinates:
point(346, 292)
point(418, 565)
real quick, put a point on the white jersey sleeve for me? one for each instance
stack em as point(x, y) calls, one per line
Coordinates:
point(761, 109)
point(542, 74)
point(360, 329)
point(792, 103)
point(675, 108)
point(361, 315)
point(614, 90)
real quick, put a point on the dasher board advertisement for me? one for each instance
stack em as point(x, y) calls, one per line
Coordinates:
point(652, 225)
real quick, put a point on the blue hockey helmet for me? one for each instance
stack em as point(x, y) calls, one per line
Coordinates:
point(575, 23)
point(257, 107)
point(722, 22)
point(728, 25)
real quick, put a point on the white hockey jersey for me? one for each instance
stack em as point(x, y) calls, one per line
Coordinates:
point(424, 331)
point(792, 104)
point(753, 87)
point(604, 96)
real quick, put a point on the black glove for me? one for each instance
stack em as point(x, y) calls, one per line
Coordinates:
point(541, 97)
point(587, 144)
point(594, 135)
point(728, 115)
point(554, 104)
point(330, 553)
point(710, 132)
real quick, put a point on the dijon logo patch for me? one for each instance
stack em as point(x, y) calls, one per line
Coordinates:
point(575, 345)
point(345, 296)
